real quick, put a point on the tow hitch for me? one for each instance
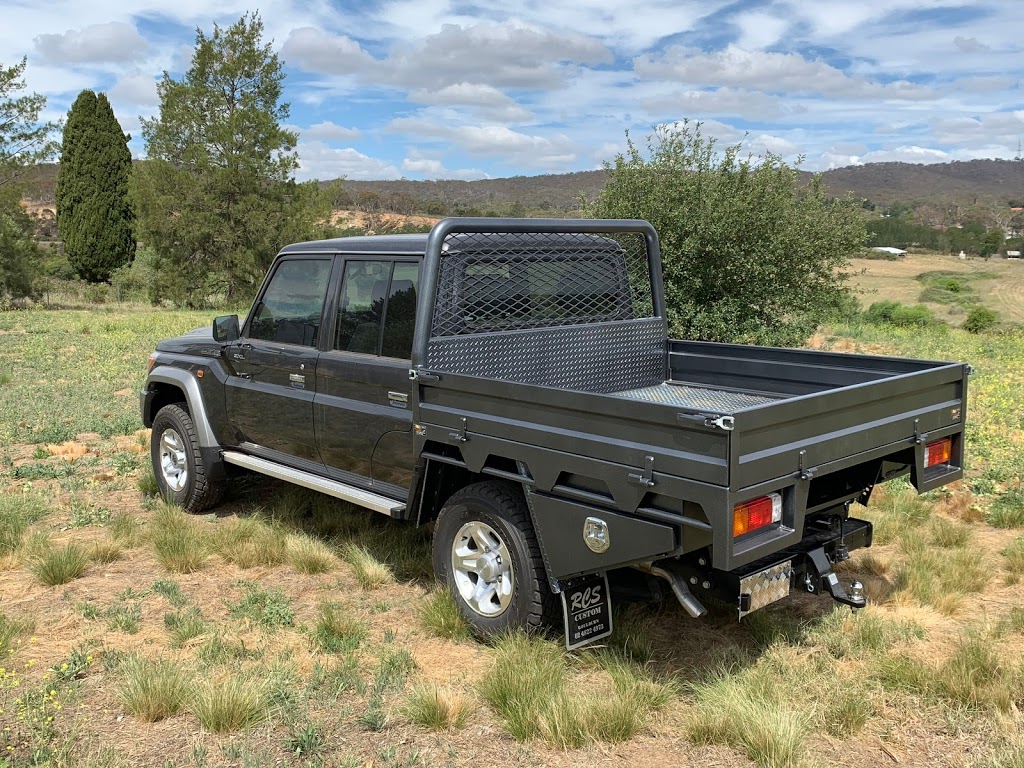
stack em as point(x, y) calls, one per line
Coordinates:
point(824, 578)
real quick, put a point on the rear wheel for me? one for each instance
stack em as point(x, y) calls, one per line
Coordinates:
point(486, 553)
point(178, 463)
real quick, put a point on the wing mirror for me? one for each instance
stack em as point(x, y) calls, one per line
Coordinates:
point(225, 328)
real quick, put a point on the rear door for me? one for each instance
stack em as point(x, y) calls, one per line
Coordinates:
point(361, 409)
point(269, 398)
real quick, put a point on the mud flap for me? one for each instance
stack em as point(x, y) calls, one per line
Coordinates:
point(587, 608)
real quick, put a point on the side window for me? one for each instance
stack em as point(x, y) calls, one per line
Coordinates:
point(289, 312)
point(376, 295)
point(400, 316)
point(361, 309)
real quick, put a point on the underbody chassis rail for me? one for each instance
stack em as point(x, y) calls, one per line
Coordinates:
point(806, 566)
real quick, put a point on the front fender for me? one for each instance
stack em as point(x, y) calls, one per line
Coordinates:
point(187, 383)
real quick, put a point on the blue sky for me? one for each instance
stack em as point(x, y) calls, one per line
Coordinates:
point(429, 89)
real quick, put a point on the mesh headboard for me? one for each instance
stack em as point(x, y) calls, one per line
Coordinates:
point(566, 310)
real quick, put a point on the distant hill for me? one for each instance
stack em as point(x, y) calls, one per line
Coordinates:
point(996, 181)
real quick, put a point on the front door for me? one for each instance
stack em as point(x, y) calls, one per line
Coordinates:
point(361, 409)
point(269, 400)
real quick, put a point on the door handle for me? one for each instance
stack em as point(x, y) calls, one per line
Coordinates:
point(398, 399)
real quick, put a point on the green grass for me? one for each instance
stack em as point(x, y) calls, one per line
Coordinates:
point(125, 529)
point(52, 387)
point(976, 676)
point(58, 566)
point(941, 578)
point(845, 635)
point(184, 625)
point(440, 615)
point(335, 632)
point(170, 590)
point(17, 513)
point(532, 690)
point(1014, 555)
point(152, 689)
point(251, 542)
point(269, 608)
point(180, 541)
point(229, 704)
point(1008, 510)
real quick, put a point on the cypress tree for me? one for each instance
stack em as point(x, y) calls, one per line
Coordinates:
point(93, 212)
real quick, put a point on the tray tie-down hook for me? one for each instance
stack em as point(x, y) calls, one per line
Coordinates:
point(713, 420)
point(825, 579)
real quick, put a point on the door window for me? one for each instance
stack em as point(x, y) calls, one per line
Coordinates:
point(289, 312)
point(400, 318)
point(377, 296)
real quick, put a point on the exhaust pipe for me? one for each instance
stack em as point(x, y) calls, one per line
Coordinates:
point(680, 589)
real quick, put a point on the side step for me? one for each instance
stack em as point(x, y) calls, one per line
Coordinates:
point(349, 493)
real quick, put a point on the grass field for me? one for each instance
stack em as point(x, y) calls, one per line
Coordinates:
point(997, 283)
point(287, 629)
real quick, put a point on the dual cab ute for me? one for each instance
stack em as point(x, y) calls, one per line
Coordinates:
point(512, 383)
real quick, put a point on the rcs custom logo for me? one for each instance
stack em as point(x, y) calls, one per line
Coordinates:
point(589, 597)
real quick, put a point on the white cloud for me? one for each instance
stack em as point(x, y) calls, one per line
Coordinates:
point(432, 168)
point(317, 51)
point(759, 30)
point(319, 161)
point(486, 99)
point(328, 131)
point(496, 141)
point(510, 54)
point(135, 90)
point(737, 102)
point(95, 44)
point(774, 72)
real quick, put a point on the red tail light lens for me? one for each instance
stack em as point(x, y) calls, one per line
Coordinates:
point(939, 452)
point(751, 515)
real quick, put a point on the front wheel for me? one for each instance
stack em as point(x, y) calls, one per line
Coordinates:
point(486, 553)
point(178, 463)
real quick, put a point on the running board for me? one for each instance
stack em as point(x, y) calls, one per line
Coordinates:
point(349, 493)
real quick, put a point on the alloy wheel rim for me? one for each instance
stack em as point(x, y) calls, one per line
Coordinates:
point(173, 461)
point(482, 569)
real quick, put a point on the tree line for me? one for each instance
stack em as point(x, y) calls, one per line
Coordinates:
point(750, 252)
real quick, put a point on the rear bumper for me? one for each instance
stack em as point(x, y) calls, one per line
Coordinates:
point(772, 577)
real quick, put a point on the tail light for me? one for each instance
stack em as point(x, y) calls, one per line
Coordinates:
point(751, 515)
point(939, 452)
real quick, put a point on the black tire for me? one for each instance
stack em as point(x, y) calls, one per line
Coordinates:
point(193, 489)
point(501, 508)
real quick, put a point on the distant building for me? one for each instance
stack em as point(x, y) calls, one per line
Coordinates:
point(1013, 254)
point(894, 251)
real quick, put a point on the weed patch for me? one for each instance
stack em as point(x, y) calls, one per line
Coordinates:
point(267, 607)
point(335, 632)
point(183, 626)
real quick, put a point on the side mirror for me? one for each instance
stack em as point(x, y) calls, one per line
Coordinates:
point(225, 328)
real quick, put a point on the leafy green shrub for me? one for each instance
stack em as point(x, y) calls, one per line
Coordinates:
point(894, 313)
point(980, 319)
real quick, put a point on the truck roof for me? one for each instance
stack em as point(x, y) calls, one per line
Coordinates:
point(405, 244)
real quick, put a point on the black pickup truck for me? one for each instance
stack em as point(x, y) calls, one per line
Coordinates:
point(511, 382)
